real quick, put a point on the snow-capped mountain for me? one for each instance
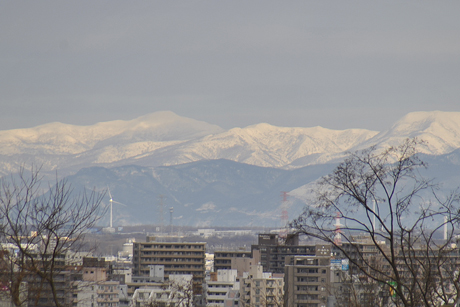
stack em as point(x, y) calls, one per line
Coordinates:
point(439, 130)
point(69, 147)
point(164, 138)
point(58, 138)
point(188, 161)
point(261, 145)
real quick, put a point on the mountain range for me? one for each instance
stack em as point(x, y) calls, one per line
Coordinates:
point(206, 172)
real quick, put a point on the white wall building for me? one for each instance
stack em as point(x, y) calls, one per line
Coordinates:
point(178, 293)
point(96, 294)
point(221, 292)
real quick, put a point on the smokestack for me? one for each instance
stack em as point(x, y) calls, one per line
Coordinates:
point(338, 234)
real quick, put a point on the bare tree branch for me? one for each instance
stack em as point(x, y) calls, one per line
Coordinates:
point(387, 206)
point(40, 224)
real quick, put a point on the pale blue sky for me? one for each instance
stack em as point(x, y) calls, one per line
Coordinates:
point(336, 64)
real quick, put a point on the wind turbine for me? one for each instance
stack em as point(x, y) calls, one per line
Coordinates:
point(111, 207)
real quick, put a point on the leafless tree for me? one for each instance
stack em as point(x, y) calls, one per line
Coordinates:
point(179, 292)
point(38, 229)
point(353, 291)
point(378, 211)
point(182, 292)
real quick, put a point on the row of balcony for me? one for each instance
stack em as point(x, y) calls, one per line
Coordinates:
point(155, 259)
point(172, 247)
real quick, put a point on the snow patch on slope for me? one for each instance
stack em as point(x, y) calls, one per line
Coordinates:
point(267, 145)
point(440, 131)
point(148, 132)
point(164, 138)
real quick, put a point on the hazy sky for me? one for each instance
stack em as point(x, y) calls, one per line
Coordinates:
point(337, 64)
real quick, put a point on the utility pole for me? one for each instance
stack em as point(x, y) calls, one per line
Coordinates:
point(171, 210)
point(162, 222)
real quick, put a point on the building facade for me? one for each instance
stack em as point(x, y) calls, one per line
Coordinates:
point(221, 287)
point(307, 281)
point(259, 289)
point(223, 259)
point(181, 258)
point(271, 252)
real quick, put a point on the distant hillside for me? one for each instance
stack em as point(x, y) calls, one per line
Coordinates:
point(223, 192)
point(203, 193)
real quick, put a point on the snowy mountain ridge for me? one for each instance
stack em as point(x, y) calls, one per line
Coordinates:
point(439, 130)
point(59, 138)
point(270, 146)
point(164, 138)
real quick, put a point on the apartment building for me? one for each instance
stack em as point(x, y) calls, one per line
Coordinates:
point(178, 292)
point(261, 289)
point(271, 252)
point(94, 290)
point(177, 257)
point(223, 259)
point(94, 269)
point(307, 281)
point(221, 287)
point(41, 294)
point(96, 294)
point(6, 299)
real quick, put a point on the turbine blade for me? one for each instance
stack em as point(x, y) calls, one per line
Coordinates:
point(110, 195)
point(117, 202)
